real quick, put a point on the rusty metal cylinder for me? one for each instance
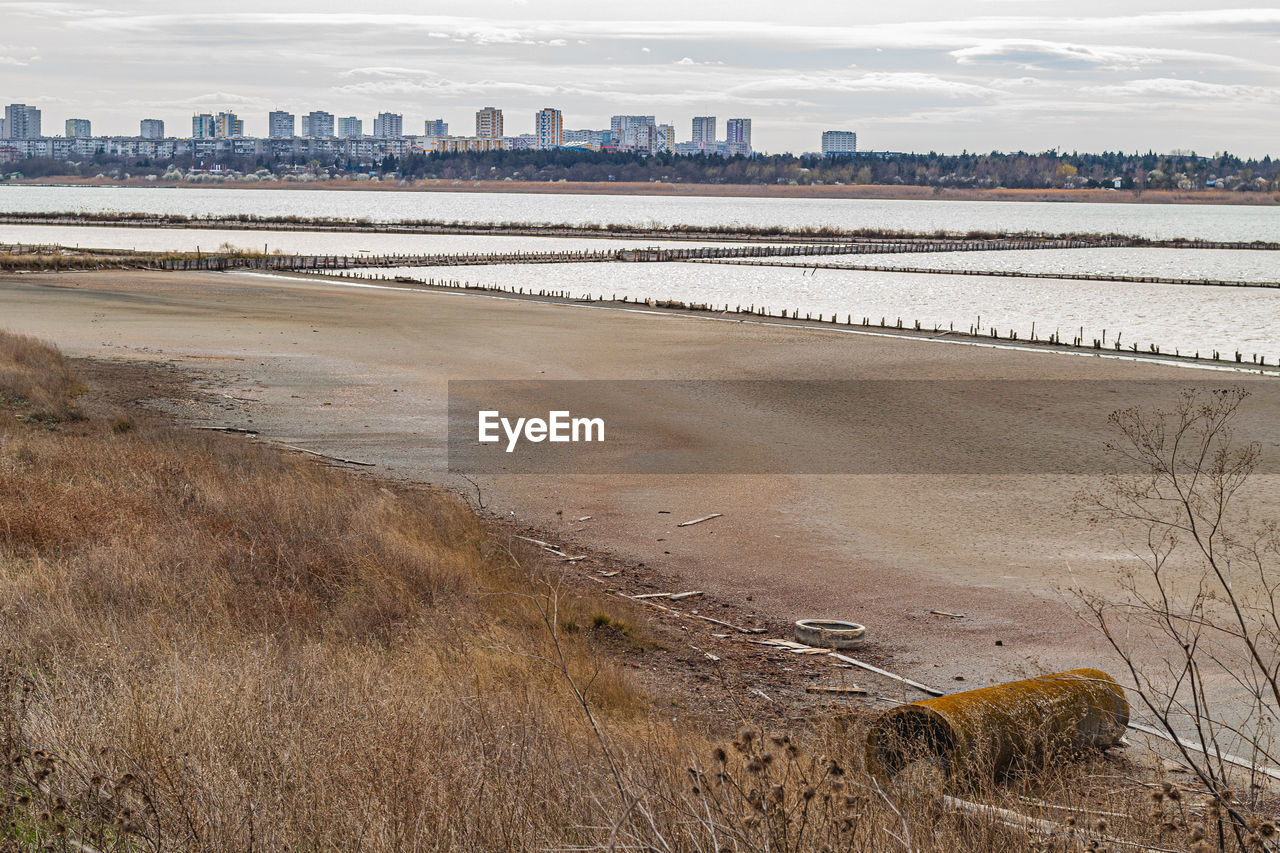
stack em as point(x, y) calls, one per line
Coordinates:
point(990, 731)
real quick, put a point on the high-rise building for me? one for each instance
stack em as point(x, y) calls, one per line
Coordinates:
point(489, 123)
point(704, 131)
point(436, 127)
point(350, 127)
point(317, 124)
point(4, 129)
point(202, 126)
point(666, 137)
point(228, 126)
point(151, 128)
point(21, 122)
point(548, 126)
point(737, 136)
point(619, 125)
point(837, 142)
point(77, 128)
point(280, 124)
point(388, 125)
point(639, 137)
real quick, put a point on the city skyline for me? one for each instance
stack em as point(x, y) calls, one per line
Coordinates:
point(1127, 75)
point(548, 130)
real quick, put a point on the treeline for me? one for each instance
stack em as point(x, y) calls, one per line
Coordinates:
point(1020, 170)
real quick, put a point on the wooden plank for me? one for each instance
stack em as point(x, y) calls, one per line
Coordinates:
point(740, 630)
point(699, 520)
point(932, 691)
point(1195, 747)
point(324, 455)
point(852, 689)
point(681, 596)
point(237, 430)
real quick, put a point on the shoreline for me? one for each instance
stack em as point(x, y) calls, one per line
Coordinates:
point(710, 313)
point(824, 235)
point(870, 192)
point(360, 371)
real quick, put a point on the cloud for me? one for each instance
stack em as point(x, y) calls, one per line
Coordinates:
point(1035, 54)
point(1170, 88)
point(881, 81)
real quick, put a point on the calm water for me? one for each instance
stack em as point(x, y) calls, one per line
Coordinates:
point(1221, 264)
point(1210, 222)
point(1184, 317)
point(1225, 264)
point(1188, 318)
point(306, 242)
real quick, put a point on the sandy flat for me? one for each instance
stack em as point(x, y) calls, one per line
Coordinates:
point(362, 373)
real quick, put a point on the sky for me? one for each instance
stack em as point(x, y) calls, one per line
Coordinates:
point(913, 75)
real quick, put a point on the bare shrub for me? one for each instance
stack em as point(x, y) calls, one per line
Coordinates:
point(1198, 625)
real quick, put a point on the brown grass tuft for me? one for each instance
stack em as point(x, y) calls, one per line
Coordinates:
point(210, 645)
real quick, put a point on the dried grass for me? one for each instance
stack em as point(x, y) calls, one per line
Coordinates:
point(210, 645)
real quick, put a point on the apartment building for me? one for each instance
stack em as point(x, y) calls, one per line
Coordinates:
point(228, 126)
point(457, 144)
point(548, 124)
point(202, 126)
point(704, 132)
point(592, 140)
point(280, 125)
point(489, 123)
point(350, 127)
point(151, 128)
point(737, 137)
point(388, 125)
point(77, 128)
point(318, 124)
point(21, 122)
point(436, 127)
point(837, 142)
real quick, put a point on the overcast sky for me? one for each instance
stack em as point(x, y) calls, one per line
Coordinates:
point(914, 75)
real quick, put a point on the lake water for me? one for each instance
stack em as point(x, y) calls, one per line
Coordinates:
point(309, 242)
point(1224, 264)
point(1221, 264)
point(1188, 318)
point(1158, 221)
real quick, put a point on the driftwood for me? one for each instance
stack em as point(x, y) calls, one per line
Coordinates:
point(801, 648)
point(324, 455)
point(832, 688)
point(932, 691)
point(1195, 747)
point(1037, 825)
point(681, 596)
point(237, 430)
point(699, 520)
point(737, 628)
